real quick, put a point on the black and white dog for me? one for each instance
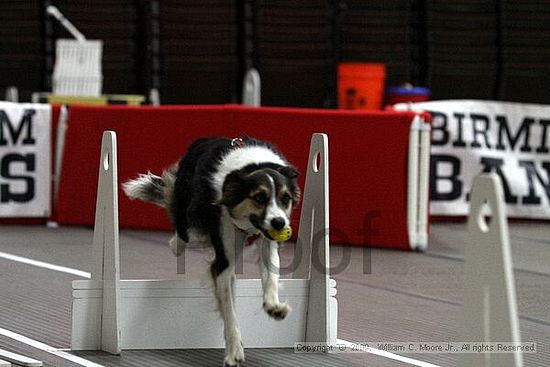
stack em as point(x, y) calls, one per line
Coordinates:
point(218, 186)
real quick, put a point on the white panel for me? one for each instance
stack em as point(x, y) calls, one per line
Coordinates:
point(86, 324)
point(423, 187)
point(412, 180)
point(78, 70)
point(182, 314)
point(418, 183)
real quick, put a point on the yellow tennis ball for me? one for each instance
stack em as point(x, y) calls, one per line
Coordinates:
point(281, 235)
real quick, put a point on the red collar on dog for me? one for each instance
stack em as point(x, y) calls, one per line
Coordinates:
point(252, 238)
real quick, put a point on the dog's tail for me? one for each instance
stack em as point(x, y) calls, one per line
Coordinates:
point(152, 188)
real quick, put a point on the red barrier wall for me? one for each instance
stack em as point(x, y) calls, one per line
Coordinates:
point(368, 160)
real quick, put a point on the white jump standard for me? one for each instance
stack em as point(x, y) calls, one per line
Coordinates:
point(489, 312)
point(111, 314)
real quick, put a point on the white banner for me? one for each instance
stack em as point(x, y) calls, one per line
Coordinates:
point(25, 159)
point(470, 137)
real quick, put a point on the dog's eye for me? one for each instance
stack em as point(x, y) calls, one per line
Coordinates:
point(285, 200)
point(261, 198)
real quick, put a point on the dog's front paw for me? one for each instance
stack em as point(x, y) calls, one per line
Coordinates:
point(234, 355)
point(177, 245)
point(278, 311)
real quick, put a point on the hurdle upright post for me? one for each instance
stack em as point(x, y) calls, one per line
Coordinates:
point(106, 258)
point(313, 243)
point(489, 311)
point(252, 88)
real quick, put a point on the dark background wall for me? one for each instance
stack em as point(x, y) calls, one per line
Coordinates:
point(196, 51)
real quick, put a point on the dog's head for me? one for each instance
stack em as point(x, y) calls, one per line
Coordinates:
point(261, 197)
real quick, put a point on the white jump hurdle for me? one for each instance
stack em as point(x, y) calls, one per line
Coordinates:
point(489, 313)
point(112, 314)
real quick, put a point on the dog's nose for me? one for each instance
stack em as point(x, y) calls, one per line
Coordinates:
point(278, 223)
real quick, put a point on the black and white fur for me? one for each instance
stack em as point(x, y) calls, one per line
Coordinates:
point(217, 187)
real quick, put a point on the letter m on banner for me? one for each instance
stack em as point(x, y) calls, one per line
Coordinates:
point(25, 160)
point(19, 132)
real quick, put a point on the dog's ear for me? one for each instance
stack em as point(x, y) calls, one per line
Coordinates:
point(289, 172)
point(233, 190)
point(296, 195)
point(292, 173)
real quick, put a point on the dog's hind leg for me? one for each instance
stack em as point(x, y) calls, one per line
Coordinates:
point(269, 268)
point(223, 272)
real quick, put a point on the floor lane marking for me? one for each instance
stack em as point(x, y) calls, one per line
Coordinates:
point(45, 265)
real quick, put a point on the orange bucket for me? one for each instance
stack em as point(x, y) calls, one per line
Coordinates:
point(361, 86)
